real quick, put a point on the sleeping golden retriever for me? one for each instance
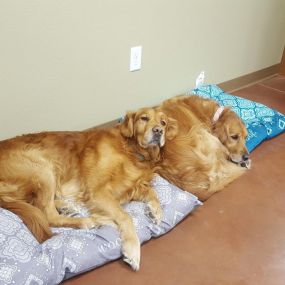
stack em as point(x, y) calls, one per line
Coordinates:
point(209, 151)
point(100, 169)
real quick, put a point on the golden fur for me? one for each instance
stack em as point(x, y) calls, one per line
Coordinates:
point(198, 159)
point(100, 168)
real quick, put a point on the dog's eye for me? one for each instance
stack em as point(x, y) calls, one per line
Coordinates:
point(163, 123)
point(235, 137)
point(144, 118)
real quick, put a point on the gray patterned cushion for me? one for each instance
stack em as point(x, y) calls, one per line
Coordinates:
point(24, 261)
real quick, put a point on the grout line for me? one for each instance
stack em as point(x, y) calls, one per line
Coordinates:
point(269, 87)
point(253, 83)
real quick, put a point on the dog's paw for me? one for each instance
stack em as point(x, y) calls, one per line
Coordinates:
point(135, 264)
point(155, 212)
point(87, 223)
point(131, 252)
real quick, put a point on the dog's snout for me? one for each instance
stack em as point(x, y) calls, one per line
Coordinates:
point(157, 130)
point(245, 157)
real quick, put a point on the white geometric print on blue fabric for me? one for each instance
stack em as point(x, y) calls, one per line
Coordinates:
point(251, 134)
point(237, 111)
point(70, 251)
point(248, 114)
point(269, 131)
point(264, 112)
point(281, 124)
point(242, 103)
point(223, 96)
point(261, 121)
point(230, 102)
point(268, 120)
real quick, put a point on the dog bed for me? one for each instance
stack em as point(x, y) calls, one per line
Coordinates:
point(261, 121)
point(70, 252)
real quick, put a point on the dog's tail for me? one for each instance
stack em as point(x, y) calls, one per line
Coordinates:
point(32, 217)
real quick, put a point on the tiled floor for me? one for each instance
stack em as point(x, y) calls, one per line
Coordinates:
point(268, 92)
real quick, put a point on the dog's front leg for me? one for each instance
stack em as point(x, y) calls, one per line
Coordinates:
point(107, 210)
point(145, 193)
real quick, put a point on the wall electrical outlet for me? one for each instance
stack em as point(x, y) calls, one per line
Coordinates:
point(200, 79)
point(136, 58)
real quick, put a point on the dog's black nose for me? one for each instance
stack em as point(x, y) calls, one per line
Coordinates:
point(245, 157)
point(157, 130)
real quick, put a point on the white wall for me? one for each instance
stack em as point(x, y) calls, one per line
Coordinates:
point(64, 64)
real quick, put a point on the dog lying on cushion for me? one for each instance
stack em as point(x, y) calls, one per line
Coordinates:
point(100, 169)
point(209, 151)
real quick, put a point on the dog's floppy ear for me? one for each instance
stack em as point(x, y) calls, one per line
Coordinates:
point(221, 127)
point(221, 131)
point(172, 129)
point(127, 126)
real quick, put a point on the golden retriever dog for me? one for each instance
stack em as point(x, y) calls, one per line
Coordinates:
point(99, 168)
point(209, 151)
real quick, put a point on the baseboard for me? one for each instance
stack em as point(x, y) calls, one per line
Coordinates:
point(107, 125)
point(249, 79)
point(282, 65)
point(229, 86)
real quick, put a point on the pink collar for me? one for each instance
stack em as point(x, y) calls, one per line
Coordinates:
point(218, 114)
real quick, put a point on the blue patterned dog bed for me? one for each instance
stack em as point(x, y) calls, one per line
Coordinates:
point(261, 121)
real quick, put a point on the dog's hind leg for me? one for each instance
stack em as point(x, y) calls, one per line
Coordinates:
point(40, 184)
point(45, 200)
point(28, 184)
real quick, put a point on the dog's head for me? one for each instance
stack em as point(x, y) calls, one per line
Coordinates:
point(149, 127)
point(232, 132)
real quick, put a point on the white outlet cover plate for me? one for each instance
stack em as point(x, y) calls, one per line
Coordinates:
point(136, 58)
point(200, 79)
